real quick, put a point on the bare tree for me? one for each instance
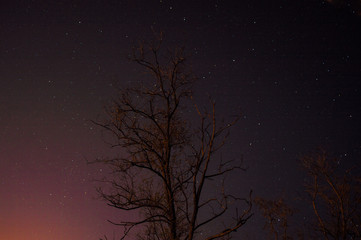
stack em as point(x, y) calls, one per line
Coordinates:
point(276, 213)
point(165, 161)
point(335, 196)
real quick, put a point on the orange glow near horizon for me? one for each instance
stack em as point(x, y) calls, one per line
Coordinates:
point(37, 227)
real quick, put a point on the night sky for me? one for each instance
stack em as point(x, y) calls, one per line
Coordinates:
point(292, 68)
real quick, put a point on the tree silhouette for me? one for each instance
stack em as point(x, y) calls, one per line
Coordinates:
point(335, 197)
point(165, 158)
point(276, 213)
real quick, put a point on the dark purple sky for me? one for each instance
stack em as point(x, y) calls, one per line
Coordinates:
point(293, 68)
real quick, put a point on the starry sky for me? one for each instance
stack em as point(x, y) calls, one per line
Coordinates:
point(292, 68)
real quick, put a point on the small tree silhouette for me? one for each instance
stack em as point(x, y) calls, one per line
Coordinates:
point(276, 213)
point(335, 197)
point(166, 159)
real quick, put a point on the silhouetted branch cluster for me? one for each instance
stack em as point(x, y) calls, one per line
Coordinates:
point(276, 213)
point(335, 197)
point(164, 162)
